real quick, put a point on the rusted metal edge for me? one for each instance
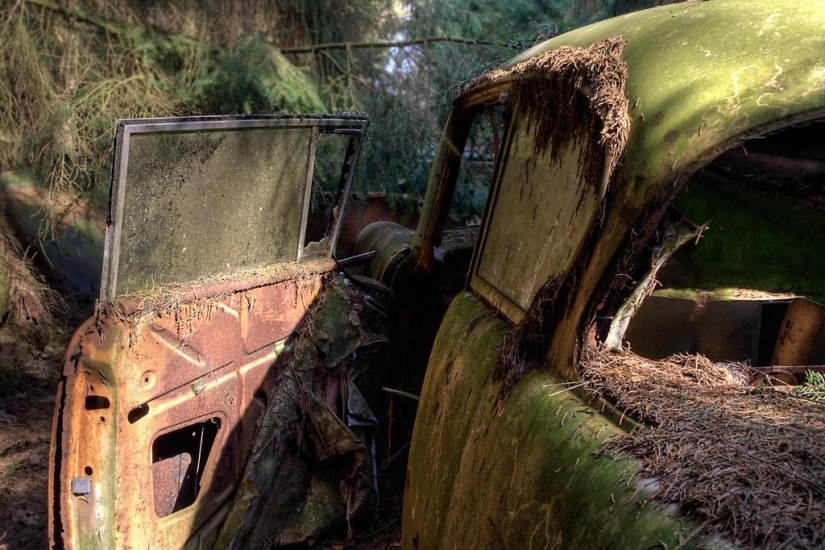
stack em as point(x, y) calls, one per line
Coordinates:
point(139, 304)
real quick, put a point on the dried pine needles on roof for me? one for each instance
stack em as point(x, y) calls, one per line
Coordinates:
point(570, 92)
point(748, 461)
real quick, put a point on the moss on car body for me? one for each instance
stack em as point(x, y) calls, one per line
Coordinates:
point(521, 471)
point(518, 468)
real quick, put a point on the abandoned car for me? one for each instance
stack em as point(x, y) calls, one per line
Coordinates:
point(212, 400)
point(611, 357)
point(648, 269)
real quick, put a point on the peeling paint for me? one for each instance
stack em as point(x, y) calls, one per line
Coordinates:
point(769, 24)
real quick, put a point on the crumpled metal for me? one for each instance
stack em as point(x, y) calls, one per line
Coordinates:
point(312, 467)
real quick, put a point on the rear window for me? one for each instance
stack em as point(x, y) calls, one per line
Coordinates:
point(541, 211)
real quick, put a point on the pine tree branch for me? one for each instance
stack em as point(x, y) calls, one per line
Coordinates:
point(400, 44)
point(108, 25)
point(90, 18)
point(114, 27)
point(362, 81)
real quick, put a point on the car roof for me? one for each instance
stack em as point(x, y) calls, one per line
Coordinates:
point(703, 76)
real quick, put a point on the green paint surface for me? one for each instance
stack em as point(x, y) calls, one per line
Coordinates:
point(517, 473)
point(521, 472)
point(703, 74)
point(754, 239)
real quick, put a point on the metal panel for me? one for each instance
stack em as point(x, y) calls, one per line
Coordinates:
point(158, 410)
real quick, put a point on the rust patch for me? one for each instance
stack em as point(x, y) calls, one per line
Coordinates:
point(161, 400)
point(179, 409)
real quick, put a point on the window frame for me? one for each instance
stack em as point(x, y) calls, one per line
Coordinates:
point(446, 168)
point(484, 289)
point(354, 126)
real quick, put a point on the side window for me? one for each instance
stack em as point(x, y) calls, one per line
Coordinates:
point(476, 172)
point(334, 157)
point(541, 211)
point(196, 198)
point(470, 195)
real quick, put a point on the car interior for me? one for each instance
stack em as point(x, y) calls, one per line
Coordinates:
point(729, 294)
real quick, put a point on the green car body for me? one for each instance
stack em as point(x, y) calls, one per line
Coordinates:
point(509, 460)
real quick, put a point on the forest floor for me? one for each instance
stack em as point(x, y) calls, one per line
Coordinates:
point(29, 371)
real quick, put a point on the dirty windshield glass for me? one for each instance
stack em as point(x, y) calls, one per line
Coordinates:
point(193, 198)
point(206, 202)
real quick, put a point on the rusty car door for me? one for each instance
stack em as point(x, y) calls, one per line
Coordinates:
point(220, 230)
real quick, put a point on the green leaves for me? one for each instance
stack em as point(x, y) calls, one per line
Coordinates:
point(813, 388)
point(254, 77)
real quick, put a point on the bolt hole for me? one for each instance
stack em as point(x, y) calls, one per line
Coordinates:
point(88, 470)
point(147, 380)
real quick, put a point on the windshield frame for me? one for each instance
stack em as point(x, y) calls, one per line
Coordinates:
point(125, 129)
